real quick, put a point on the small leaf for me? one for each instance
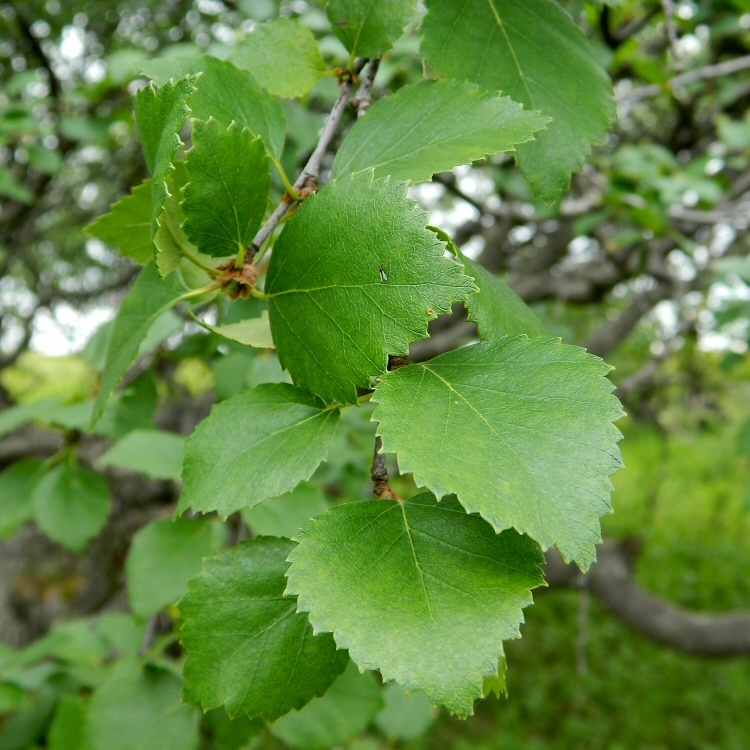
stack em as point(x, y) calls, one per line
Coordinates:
point(257, 445)
point(128, 225)
point(254, 332)
point(153, 453)
point(227, 94)
point(71, 505)
point(139, 706)
point(226, 197)
point(248, 648)
point(367, 28)
point(534, 52)
point(354, 277)
point(434, 126)
point(521, 430)
point(333, 719)
point(421, 591)
point(286, 515)
point(147, 299)
point(162, 558)
point(404, 717)
point(17, 484)
point(496, 309)
point(172, 244)
point(160, 115)
point(282, 55)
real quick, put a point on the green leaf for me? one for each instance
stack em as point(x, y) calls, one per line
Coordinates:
point(286, 515)
point(283, 56)
point(521, 430)
point(69, 725)
point(333, 719)
point(228, 94)
point(257, 445)
point(252, 332)
point(153, 453)
point(534, 52)
point(434, 126)
point(495, 684)
point(421, 591)
point(171, 242)
point(139, 707)
point(17, 483)
point(354, 277)
point(160, 115)
point(162, 558)
point(404, 717)
point(71, 504)
point(367, 28)
point(147, 299)
point(496, 309)
point(248, 648)
point(128, 225)
point(230, 180)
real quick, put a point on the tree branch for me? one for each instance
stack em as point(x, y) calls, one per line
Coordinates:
point(363, 98)
point(611, 580)
point(699, 74)
point(309, 179)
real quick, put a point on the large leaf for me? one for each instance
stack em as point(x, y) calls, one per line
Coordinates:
point(257, 445)
point(227, 94)
point(433, 126)
point(147, 299)
point(128, 225)
point(162, 558)
point(282, 55)
point(248, 648)
point(421, 591)
point(71, 504)
point(160, 114)
point(520, 429)
point(228, 190)
point(367, 28)
point(534, 52)
point(333, 719)
point(354, 277)
point(496, 309)
point(17, 484)
point(154, 453)
point(138, 707)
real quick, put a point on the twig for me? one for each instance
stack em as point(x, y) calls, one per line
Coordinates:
point(380, 479)
point(699, 74)
point(668, 7)
point(149, 635)
point(363, 98)
point(309, 178)
point(379, 473)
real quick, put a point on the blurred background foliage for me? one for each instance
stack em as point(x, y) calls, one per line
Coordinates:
point(646, 263)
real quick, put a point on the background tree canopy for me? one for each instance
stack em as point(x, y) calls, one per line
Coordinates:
point(644, 261)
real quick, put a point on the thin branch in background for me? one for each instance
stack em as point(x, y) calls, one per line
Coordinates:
point(669, 24)
point(152, 628)
point(362, 100)
point(699, 74)
point(309, 179)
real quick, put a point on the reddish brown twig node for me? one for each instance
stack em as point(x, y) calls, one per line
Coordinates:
point(237, 282)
